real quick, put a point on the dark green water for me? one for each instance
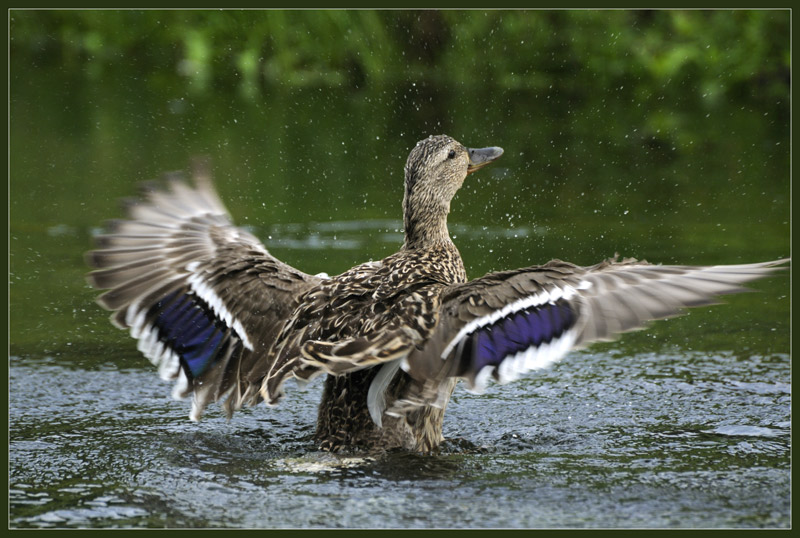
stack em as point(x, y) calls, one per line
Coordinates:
point(684, 425)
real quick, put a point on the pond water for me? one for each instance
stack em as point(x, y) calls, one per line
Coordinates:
point(686, 424)
point(680, 439)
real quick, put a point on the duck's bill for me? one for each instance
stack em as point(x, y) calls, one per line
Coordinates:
point(478, 158)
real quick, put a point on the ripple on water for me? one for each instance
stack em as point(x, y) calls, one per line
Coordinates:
point(100, 515)
point(748, 431)
point(763, 388)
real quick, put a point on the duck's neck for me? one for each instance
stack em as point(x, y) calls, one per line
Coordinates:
point(425, 222)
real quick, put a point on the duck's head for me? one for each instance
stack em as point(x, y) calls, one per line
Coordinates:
point(435, 170)
point(441, 163)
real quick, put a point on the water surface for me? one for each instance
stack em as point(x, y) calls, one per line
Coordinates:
point(665, 440)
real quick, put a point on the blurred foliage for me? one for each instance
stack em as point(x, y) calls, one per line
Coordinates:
point(663, 135)
point(704, 53)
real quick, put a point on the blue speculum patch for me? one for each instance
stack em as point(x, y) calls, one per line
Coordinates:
point(188, 326)
point(518, 331)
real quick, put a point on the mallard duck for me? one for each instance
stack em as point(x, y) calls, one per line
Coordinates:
point(217, 313)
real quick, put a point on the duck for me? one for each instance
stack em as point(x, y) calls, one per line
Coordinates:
point(227, 322)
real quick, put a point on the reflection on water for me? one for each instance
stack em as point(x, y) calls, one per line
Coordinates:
point(356, 234)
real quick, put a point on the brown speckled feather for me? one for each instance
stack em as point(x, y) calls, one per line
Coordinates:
point(368, 315)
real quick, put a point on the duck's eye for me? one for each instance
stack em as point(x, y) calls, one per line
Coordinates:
point(451, 154)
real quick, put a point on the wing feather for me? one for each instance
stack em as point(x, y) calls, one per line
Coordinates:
point(505, 324)
point(203, 298)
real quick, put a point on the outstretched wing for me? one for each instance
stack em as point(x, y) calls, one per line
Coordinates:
point(505, 324)
point(203, 298)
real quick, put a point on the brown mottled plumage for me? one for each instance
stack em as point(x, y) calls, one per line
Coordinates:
point(216, 312)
